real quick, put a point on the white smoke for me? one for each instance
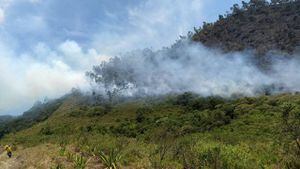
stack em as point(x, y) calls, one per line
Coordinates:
point(191, 67)
point(45, 72)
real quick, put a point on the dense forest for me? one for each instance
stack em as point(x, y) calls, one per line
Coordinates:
point(258, 25)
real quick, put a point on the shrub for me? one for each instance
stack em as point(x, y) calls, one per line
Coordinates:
point(96, 111)
point(46, 131)
point(185, 152)
point(291, 128)
point(211, 158)
point(185, 99)
point(141, 114)
point(77, 113)
point(127, 128)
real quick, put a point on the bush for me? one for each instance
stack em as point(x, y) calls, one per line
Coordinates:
point(96, 111)
point(128, 128)
point(185, 99)
point(77, 113)
point(46, 131)
point(141, 114)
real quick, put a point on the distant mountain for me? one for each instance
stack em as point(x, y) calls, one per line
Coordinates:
point(257, 25)
point(39, 112)
point(4, 119)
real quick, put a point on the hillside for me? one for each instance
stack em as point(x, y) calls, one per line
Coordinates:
point(4, 119)
point(170, 131)
point(256, 25)
point(39, 112)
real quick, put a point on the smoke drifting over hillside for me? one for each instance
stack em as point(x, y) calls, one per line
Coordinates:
point(45, 49)
point(191, 67)
point(44, 72)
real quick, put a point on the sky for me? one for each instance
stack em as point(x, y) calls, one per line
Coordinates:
point(46, 46)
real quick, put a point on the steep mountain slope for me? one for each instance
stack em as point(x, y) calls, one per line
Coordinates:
point(5, 119)
point(256, 25)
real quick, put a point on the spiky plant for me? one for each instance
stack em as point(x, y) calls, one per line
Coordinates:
point(80, 162)
point(69, 156)
point(58, 166)
point(112, 159)
point(62, 151)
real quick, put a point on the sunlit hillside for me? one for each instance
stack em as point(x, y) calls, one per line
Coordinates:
point(225, 96)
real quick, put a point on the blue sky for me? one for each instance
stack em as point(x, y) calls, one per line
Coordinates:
point(47, 45)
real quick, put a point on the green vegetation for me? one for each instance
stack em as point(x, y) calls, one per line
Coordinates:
point(58, 166)
point(79, 161)
point(39, 112)
point(179, 131)
point(110, 160)
point(258, 25)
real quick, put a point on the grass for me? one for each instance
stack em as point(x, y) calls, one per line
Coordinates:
point(240, 133)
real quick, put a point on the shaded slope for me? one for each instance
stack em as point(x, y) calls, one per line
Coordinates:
point(39, 112)
point(256, 25)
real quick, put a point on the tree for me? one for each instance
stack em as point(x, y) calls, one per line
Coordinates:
point(245, 5)
point(114, 76)
point(235, 9)
point(221, 17)
point(257, 3)
point(274, 2)
point(185, 99)
point(280, 1)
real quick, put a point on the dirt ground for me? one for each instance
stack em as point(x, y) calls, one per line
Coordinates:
point(40, 157)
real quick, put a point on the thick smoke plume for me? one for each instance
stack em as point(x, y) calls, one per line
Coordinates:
point(187, 66)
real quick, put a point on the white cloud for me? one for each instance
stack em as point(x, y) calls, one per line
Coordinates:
point(1, 16)
point(74, 56)
point(3, 5)
point(153, 23)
